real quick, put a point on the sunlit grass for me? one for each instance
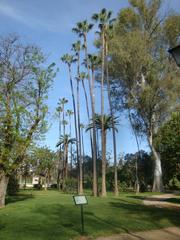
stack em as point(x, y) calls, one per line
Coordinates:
point(45, 215)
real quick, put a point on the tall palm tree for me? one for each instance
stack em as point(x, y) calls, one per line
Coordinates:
point(108, 35)
point(102, 18)
point(108, 123)
point(65, 140)
point(76, 47)
point(69, 59)
point(82, 29)
point(59, 111)
point(62, 102)
point(82, 126)
point(69, 113)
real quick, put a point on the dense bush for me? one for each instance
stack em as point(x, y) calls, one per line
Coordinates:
point(13, 186)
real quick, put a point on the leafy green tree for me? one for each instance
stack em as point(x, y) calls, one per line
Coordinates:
point(168, 144)
point(141, 69)
point(44, 162)
point(24, 84)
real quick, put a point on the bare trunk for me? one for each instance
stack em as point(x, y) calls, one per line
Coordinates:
point(94, 130)
point(102, 124)
point(136, 164)
point(75, 120)
point(116, 191)
point(79, 136)
point(66, 161)
point(103, 191)
point(157, 182)
point(3, 187)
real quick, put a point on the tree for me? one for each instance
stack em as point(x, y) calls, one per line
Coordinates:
point(103, 19)
point(24, 84)
point(77, 47)
point(69, 113)
point(69, 59)
point(82, 29)
point(167, 141)
point(44, 162)
point(108, 123)
point(65, 141)
point(142, 71)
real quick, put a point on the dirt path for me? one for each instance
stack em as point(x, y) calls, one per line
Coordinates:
point(160, 201)
point(171, 233)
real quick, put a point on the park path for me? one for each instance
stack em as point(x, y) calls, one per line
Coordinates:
point(171, 233)
point(160, 201)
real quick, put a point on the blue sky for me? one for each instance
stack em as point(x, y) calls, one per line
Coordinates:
point(48, 24)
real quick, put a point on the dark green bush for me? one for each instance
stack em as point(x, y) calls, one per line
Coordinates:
point(13, 186)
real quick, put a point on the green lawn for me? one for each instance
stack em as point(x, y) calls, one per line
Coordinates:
point(50, 215)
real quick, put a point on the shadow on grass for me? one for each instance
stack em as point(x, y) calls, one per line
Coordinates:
point(63, 221)
point(173, 200)
point(18, 198)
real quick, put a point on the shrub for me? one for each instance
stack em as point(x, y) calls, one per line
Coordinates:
point(13, 186)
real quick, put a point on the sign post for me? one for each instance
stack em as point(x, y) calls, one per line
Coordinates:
point(81, 200)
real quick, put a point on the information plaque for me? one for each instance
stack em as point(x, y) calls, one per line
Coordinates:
point(80, 200)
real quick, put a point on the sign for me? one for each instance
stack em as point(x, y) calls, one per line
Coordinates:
point(80, 200)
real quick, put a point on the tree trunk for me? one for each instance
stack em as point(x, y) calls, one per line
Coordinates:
point(102, 124)
point(103, 191)
point(157, 182)
point(79, 136)
point(75, 120)
point(95, 188)
point(116, 191)
point(136, 164)
point(3, 187)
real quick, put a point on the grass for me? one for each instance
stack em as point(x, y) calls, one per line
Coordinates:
point(51, 215)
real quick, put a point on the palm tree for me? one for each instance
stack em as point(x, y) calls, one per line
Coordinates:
point(82, 126)
point(65, 141)
point(59, 111)
point(108, 123)
point(69, 113)
point(76, 47)
point(102, 18)
point(108, 34)
point(69, 59)
point(62, 102)
point(82, 29)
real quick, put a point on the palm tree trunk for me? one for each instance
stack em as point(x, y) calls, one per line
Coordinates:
point(79, 135)
point(75, 120)
point(103, 192)
point(88, 113)
point(94, 130)
point(83, 153)
point(102, 123)
point(60, 157)
point(116, 191)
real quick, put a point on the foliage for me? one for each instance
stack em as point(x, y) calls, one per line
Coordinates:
point(24, 84)
point(168, 143)
point(13, 186)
